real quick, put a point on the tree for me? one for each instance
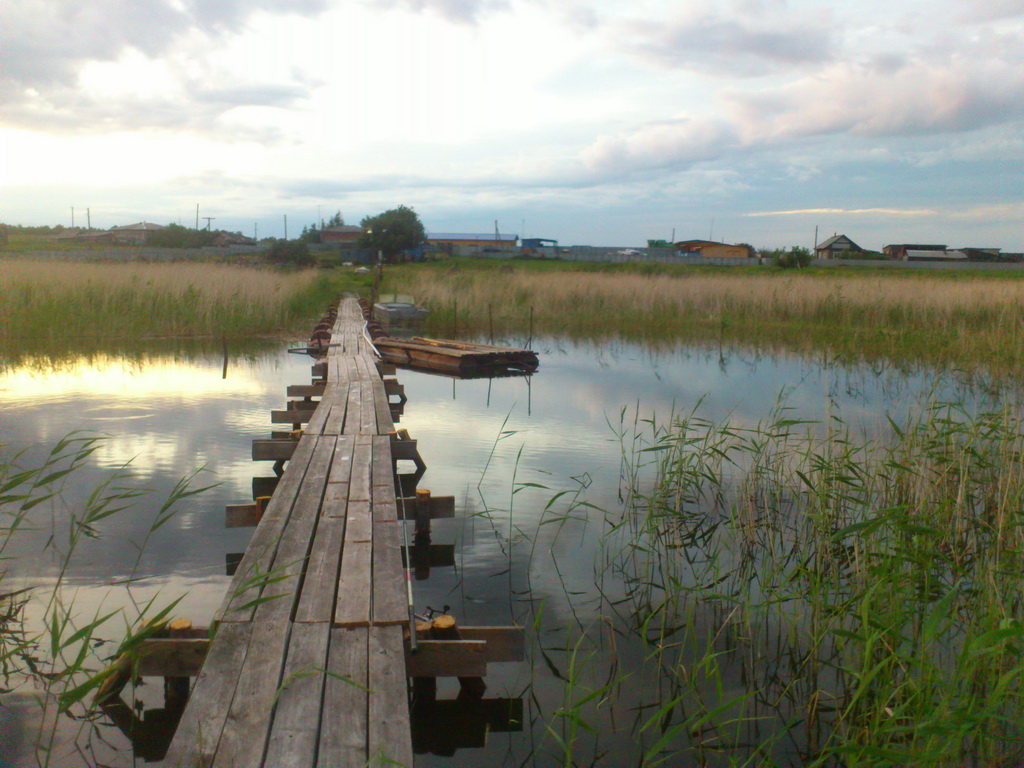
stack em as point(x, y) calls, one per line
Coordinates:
point(797, 256)
point(392, 232)
point(291, 252)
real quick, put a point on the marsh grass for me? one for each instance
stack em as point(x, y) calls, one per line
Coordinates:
point(60, 662)
point(812, 596)
point(959, 320)
point(65, 301)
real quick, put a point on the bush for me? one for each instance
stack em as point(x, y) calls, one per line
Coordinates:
point(797, 257)
point(291, 252)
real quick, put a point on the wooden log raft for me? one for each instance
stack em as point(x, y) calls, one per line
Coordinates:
point(454, 356)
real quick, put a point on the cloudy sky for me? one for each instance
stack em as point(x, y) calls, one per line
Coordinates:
point(589, 121)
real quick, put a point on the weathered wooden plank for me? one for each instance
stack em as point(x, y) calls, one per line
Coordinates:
point(382, 409)
point(291, 417)
point(344, 724)
point(290, 561)
point(264, 486)
point(358, 523)
point(361, 479)
point(352, 408)
point(273, 450)
point(247, 727)
point(199, 730)
point(390, 737)
point(171, 656)
point(316, 602)
point(406, 450)
point(335, 503)
point(241, 515)
point(246, 585)
point(503, 643)
point(341, 467)
point(440, 507)
point(383, 479)
point(390, 597)
point(335, 422)
point(353, 604)
point(295, 733)
point(447, 658)
point(306, 390)
point(367, 409)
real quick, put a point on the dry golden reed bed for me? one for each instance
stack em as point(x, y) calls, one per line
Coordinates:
point(966, 318)
point(45, 298)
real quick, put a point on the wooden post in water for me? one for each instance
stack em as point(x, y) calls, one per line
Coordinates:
point(176, 688)
point(422, 515)
point(445, 628)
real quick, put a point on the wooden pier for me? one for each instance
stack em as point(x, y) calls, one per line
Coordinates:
point(308, 664)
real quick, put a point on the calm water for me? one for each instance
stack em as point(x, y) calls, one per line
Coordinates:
point(488, 443)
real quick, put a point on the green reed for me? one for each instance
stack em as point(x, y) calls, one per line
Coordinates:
point(59, 662)
point(866, 590)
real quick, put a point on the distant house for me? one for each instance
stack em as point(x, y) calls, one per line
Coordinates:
point(135, 234)
point(540, 246)
point(837, 247)
point(712, 250)
point(343, 235)
point(900, 250)
point(472, 244)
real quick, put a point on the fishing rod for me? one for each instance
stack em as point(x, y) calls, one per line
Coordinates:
point(413, 646)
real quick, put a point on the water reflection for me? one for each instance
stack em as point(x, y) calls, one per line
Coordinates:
point(502, 447)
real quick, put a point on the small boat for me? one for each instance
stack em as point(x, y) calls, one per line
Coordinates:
point(398, 309)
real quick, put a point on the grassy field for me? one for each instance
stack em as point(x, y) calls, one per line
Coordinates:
point(955, 319)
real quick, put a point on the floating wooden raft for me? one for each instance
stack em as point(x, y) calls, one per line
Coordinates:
point(454, 356)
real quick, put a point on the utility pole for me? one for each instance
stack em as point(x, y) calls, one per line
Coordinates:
point(197, 217)
point(72, 217)
point(88, 217)
point(256, 231)
point(208, 220)
point(286, 226)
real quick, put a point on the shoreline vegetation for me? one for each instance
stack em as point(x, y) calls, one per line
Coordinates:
point(866, 591)
point(967, 321)
point(64, 307)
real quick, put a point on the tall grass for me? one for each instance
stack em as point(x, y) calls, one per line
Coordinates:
point(812, 596)
point(61, 301)
point(58, 661)
point(957, 320)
